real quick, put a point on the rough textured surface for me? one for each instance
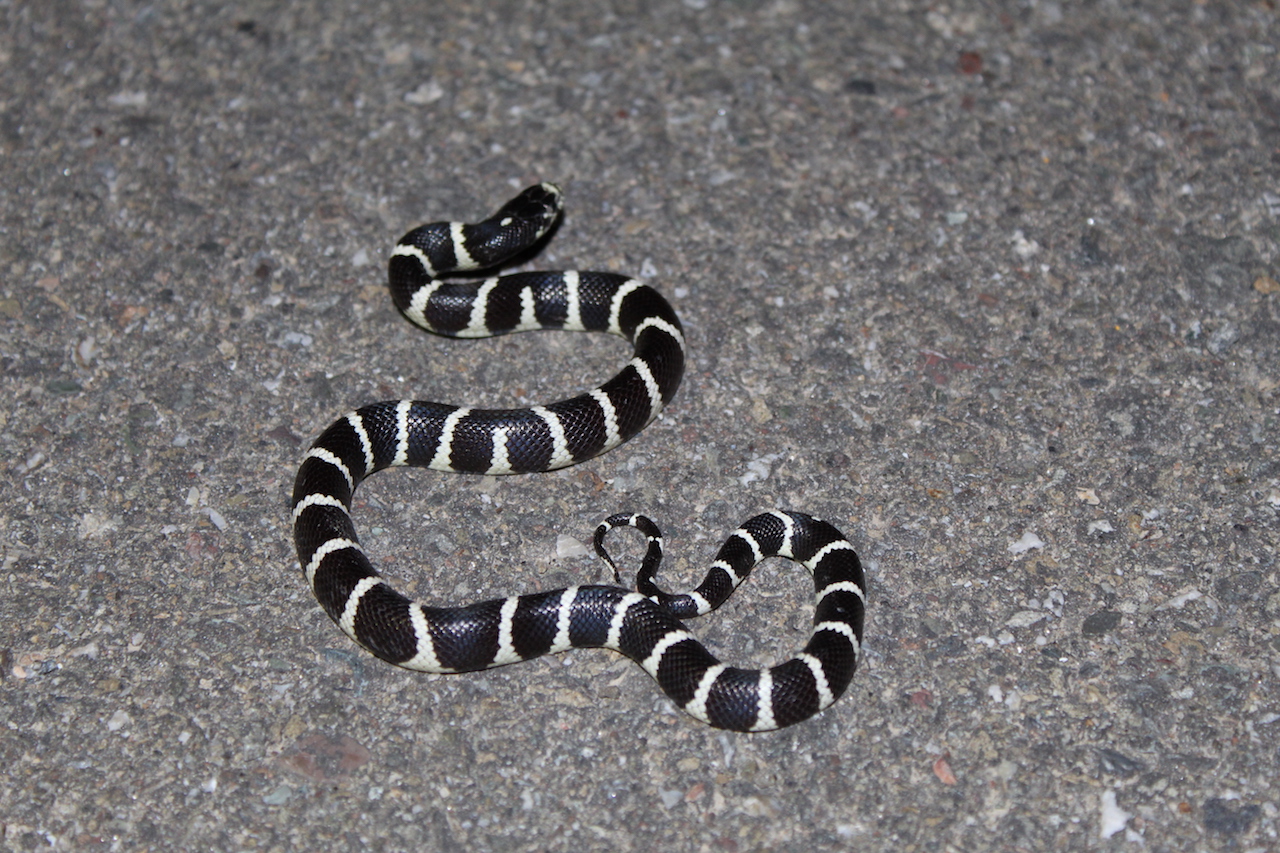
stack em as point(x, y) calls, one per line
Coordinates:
point(991, 286)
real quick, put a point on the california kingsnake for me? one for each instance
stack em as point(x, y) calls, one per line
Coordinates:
point(642, 625)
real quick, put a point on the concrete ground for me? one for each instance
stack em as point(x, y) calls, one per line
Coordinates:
point(992, 286)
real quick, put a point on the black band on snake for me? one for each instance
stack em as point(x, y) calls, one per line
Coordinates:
point(645, 626)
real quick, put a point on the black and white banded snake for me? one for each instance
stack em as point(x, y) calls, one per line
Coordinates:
point(645, 625)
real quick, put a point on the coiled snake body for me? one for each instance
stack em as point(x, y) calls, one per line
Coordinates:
point(645, 626)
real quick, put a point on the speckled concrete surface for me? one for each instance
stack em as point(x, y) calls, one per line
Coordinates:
point(992, 286)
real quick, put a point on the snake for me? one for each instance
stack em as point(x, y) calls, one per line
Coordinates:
point(645, 624)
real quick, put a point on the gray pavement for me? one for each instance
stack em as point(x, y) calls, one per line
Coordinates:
point(991, 286)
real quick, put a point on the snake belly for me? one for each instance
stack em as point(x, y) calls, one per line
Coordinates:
point(644, 627)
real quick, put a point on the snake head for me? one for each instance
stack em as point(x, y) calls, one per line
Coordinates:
point(538, 206)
